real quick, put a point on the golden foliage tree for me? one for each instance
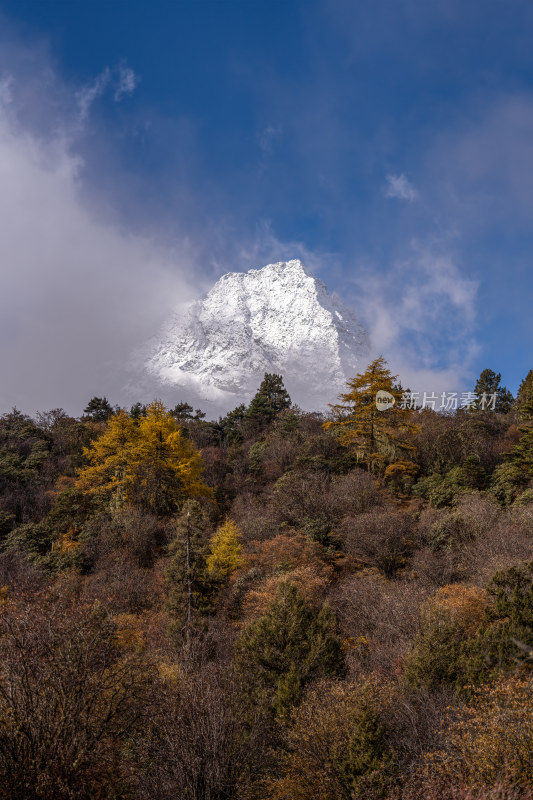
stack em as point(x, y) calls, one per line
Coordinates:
point(377, 436)
point(148, 464)
point(225, 551)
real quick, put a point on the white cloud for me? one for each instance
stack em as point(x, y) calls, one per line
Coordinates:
point(267, 137)
point(88, 94)
point(122, 79)
point(481, 168)
point(6, 94)
point(127, 81)
point(399, 187)
point(421, 314)
point(78, 290)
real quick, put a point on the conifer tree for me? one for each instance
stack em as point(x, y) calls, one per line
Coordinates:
point(137, 411)
point(99, 409)
point(182, 411)
point(189, 588)
point(145, 462)
point(521, 455)
point(506, 638)
point(377, 436)
point(270, 400)
point(225, 551)
point(512, 477)
point(525, 391)
point(231, 426)
point(286, 648)
point(487, 385)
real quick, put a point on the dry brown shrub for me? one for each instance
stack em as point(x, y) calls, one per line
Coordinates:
point(119, 584)
point(507, 542)
point(70, 697)
point(435, 568)
point(311, 582)
point(355, 493)
point(381, 538)
point(336, 745)
point(460, 604)
point(453, 790)
point(283, 553)
point(255, 516)
point(285, 558)
point(471, 541)
point(279, 454)
point(491, 738)
point(413, 722)
point(19, 575)
point(196, 743)
point(300, 496)
point(379, 619)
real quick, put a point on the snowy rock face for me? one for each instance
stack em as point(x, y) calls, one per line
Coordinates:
point(277, 319)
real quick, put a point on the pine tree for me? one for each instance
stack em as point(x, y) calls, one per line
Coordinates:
point(525, 391)
point(487, 385)
point(137, 411)
point(521, 455)
point(377, 436)
point(232, 425)
point(188, 585)
point(99, 409)
point(270, 399)
point(182, 411)
point(286, 648)
point(506, 637)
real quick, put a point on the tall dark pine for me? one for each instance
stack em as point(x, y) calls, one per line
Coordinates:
point(271, 398)
point(99, 409)
point(525, 391)
point(488, 384)
point(285, 649)
point(522, 453)
point(187, 583)
point(137, 411)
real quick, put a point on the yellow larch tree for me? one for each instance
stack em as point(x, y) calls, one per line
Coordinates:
point(149, 464)
point(377, 436)
point(225, 551)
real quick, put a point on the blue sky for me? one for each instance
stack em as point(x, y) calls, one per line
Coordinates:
point(148, 148)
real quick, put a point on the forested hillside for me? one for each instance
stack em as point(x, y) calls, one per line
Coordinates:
point(278, 605)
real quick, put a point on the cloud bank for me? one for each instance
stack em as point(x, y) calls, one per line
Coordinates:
point(78, 289)
point(421, 315)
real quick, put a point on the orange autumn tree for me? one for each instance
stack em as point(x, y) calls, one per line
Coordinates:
point(377, 436)
point(148, 464)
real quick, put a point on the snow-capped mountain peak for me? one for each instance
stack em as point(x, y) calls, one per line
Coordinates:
point(276, 319)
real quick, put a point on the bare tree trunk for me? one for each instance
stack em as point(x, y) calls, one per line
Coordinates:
point(189, 583)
